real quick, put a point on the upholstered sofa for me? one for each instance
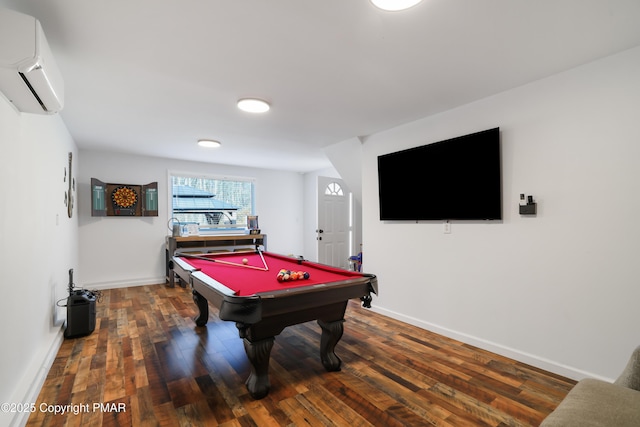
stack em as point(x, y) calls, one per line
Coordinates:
point(595, 403)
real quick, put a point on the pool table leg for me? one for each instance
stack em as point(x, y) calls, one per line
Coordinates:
point(203, 307)
point(331, 334)
point(258, 353)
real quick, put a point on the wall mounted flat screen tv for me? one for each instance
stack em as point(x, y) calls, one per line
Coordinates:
point(456, 179)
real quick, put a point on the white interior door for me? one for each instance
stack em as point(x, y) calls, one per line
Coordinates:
point(333, 229)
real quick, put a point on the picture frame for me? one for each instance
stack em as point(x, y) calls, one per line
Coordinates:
point(252, 224)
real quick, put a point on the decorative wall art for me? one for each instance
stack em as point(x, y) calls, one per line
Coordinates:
point(109, 199)
point(69, 194)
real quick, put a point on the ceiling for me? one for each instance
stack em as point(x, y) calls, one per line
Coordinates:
point(151, 77)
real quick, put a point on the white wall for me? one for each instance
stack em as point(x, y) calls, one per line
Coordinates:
point(559, 290)
point(346, 158)
point(38, 246)
point(126, 251)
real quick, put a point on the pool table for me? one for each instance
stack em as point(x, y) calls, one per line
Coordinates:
point(245, 289)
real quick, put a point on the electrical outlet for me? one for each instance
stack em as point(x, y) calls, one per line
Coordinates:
point(446, 227)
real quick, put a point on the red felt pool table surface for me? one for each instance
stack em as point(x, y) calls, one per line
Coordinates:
point(246, 281)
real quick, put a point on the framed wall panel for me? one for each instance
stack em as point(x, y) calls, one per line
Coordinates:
point(109, 199)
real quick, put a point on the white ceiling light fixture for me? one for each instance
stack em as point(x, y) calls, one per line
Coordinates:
point(209, 143)
point(395, 5)
point(253, 105)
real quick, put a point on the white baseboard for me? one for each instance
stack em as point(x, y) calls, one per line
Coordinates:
point(530, 359)
point(34, 384)
point(124, 283)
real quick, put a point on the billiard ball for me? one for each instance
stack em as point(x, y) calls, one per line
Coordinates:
point(245, 261)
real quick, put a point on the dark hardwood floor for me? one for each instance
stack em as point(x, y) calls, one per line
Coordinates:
point(149, 365)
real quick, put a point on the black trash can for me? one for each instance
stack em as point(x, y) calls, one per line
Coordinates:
point(81, 313)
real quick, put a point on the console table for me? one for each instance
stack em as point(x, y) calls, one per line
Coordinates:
point(210, 243)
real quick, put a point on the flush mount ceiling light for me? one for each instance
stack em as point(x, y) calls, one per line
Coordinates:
point(209, 143)
point(395, 5)
point(253, 105)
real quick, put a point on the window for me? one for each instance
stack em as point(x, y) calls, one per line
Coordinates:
point(333, 189)
point(211, 202)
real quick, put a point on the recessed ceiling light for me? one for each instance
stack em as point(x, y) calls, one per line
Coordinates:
point(253, 105)
point(395, 5)
point(209, 143)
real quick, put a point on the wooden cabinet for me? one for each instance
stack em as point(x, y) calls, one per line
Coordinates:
point(123, 199)
point(210, 243)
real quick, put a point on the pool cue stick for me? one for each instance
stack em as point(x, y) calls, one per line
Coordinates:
point(266, 267)
point(219, 261)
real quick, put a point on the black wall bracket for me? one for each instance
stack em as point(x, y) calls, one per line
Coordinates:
point(527, 205)
point(528, 209)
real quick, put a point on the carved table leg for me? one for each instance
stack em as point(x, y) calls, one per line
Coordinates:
point(203, 307)
point(258, 353)
point(331, 334)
